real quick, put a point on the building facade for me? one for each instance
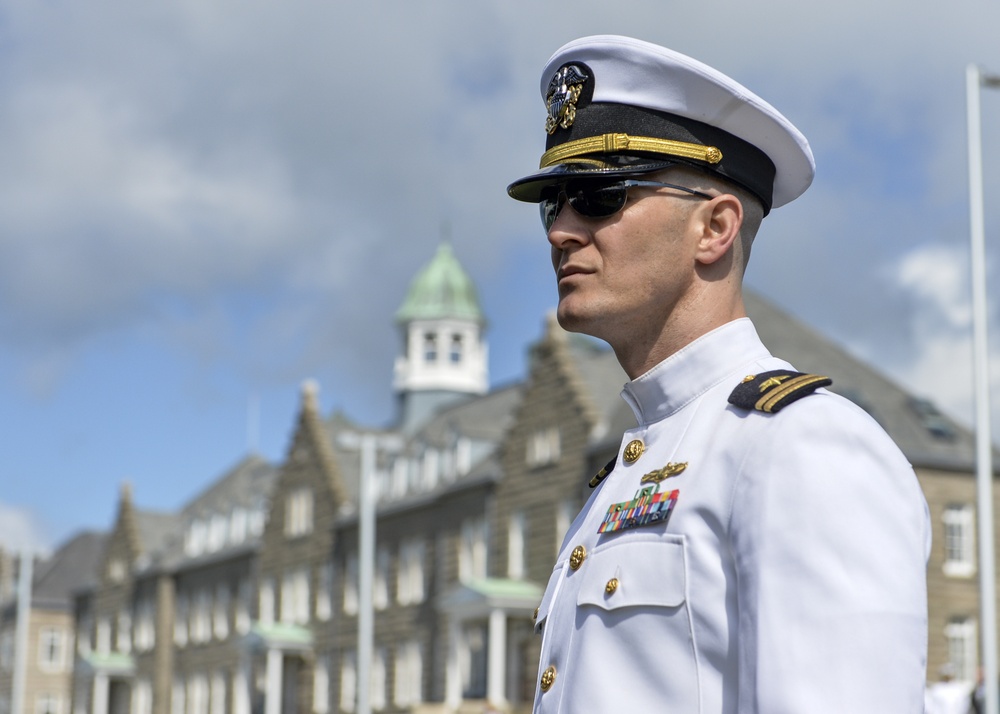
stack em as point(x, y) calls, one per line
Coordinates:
point(247, 600)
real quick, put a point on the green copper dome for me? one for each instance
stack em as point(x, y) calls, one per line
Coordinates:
point(441, 290)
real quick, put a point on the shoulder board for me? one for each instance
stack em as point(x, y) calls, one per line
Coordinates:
point(603, 473)
point(773, 391)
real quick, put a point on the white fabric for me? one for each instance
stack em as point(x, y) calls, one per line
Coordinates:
point(789, 578)
point(630, 71)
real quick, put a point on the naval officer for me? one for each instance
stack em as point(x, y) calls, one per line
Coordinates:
point(759, 544)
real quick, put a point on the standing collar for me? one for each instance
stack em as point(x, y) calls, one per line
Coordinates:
point(693, 370)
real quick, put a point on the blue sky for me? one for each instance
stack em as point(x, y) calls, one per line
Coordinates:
point(206, 202)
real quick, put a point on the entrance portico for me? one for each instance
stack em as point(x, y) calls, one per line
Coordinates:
point(489, 604)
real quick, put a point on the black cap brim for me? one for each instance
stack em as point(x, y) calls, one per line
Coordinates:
point(531, 187)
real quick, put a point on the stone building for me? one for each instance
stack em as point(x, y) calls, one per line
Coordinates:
point(247, 599)
point(47, 649)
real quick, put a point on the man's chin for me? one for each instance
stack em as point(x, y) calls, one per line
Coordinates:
point(573, 320)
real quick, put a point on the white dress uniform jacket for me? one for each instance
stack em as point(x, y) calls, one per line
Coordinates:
point(790, 576)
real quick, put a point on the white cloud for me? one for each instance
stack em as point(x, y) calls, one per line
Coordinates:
point(21, 529)
point(936, 279)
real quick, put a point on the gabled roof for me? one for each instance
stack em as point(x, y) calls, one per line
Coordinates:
point(244, 484)
point(925, 435)
point(72, 567)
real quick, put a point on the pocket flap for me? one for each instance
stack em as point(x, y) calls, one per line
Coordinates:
point(635, 574)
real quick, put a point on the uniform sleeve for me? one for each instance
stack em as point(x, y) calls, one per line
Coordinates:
point(830, 537)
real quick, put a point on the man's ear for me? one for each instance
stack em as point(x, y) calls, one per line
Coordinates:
point(719, 223)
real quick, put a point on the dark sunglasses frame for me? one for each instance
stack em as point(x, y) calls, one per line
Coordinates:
point(596, 198)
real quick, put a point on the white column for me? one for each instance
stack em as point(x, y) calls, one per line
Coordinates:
point(984, 465)
point(496, 664)
point(100, 703)
point(21, 628)
point(366, 568)
point(453, 677)
point(272, 694)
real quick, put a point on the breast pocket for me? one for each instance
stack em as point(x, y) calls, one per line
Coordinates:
point(633, 610)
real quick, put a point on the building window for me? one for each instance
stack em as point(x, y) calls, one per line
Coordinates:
point(472, 660)
point(198, 694)
point(237, 526)
point(104, 636)
point(410, 576)
point(242, 623)
point(962, 647)
point(431, 468)
point(123, 637)
point(351, 585)
point(201, 617)
point(348, 681)
point(323, 589)
point(321, 685)
point(194, 541)
point(543, 447)
point(142, 697)
point(48, 703)
point(380, 594)
point(181, 621)
point(220, 614)
point(177, 698)
point(295, 597)
point(430, 347)
point(515, 545)
point(472, 550)
point(408, 686)
point(52, 649)
point(455, 353)
point(299, 512)
point(218, 693)
point(84, 635)
point(463, 456)
point(145, 627)
point(378, 679)
point(959, 540)
point(6, 651)
point(267, 602)
point(116, 570)
point(218, 528)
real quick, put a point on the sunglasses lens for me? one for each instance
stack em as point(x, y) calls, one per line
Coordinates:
point(591, 199)
point(597, 200)
point(550, 205)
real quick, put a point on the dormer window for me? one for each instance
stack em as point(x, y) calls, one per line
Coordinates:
point(299, 512)
point(116, 570)
point(543, 447)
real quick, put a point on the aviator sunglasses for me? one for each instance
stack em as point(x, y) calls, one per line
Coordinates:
point(595, 198)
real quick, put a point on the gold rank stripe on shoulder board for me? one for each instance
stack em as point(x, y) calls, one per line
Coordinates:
point(773, 391)
point(603, 473)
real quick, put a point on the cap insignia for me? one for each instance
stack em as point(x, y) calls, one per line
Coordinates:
point(562, 95)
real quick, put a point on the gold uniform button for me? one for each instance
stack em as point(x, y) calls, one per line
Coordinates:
point(577, 557)
point(548, 677)
point(534, 617)
point(611, 587)
point(633, 450)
